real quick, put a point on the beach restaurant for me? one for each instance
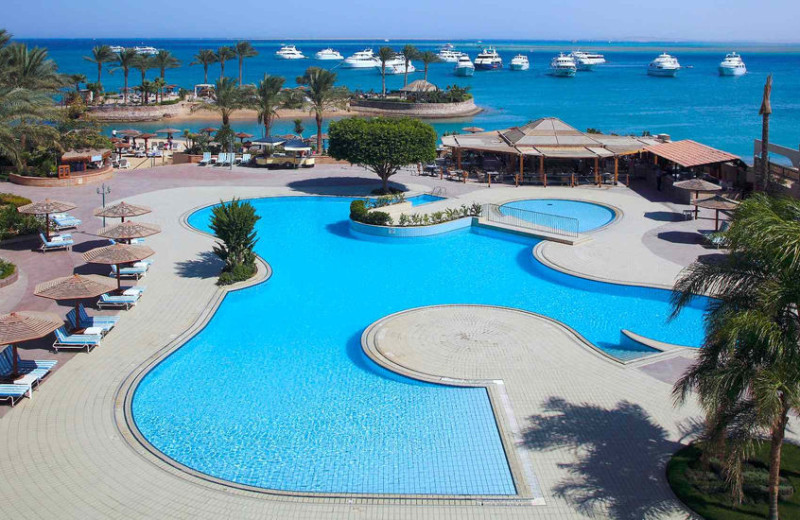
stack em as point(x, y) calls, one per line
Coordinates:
point(549, 150)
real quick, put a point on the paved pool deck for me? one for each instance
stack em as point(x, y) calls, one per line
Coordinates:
point(597, 434)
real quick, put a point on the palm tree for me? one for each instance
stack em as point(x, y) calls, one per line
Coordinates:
point(267, 99)
point(747, 376)
point(101, 54)
point(165, 60)
point(242, 50)
point(204, 57)
point(385, 54)
point(765, 111)
point(146, 88)
point(409, 53)
point(228, 97)
point(427, 58)
point(159, 84)
point(126, 60)
point(31, 68)
point(143, 63)
point(323, 95)
point(224, 54)
point(5, 37)
point(76, 80)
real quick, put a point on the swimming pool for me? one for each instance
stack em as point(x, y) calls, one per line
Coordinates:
point(590, 216)
point(275, 391)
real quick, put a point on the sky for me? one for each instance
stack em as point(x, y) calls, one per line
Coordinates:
point(653, 20)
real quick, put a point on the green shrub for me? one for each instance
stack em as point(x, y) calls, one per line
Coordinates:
point(6, 269)
point(238, 273)
point(14, 200)
point(13, 223)
point(359, 213)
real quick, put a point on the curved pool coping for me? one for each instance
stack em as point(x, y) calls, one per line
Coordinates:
point(618, 213)
point(131, 433)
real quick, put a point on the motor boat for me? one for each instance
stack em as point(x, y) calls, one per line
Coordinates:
point(361, 60)
point(328, 55)
point(588, 58)
point(399, 68)
point(732, 65)
point(146, 50)
point(520, 62)
point(563, 66)
point(117, 48)
point(289, 52)
point(449, 55)
point(582, 62)
point(664, 65)
point(488, 59)
point(464, 67)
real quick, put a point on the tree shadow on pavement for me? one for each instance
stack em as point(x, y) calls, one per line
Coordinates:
point(334, 185)
point(620, 458)
point(205, 265)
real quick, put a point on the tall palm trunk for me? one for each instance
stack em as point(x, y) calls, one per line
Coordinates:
point(99, 72)
point(778, 433)
point(241, 62)
point(205, 73)
point(319, 132)
point(125, 92)
point(405, 75)
point(426, 72)
point(383, 79)
point(221, 69)
point(765, 173)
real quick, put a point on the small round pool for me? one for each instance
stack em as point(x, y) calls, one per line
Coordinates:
point(590, 216)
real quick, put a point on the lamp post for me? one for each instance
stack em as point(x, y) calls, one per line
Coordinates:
point(104, 190)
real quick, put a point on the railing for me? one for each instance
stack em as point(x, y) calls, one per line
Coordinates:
point(438, 191)
point(521, 218)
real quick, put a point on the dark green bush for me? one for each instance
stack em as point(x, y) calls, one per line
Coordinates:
point(238, 273)
point(359, 213)
point(6, 269)
point(14, 200)
point(13, 223)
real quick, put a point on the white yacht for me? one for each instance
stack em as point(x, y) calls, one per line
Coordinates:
point(563, 66)
point(147, 50)
point(732, 65)
point(117, 48)
point(582, 62)
point(361, 60)
point(328, 55)
point(464, 67)
point(398, 67)
point(449, 55)
point(664, 65)
point(289, 52)
point(589, 58)
point(488, 59)
point(520, 62)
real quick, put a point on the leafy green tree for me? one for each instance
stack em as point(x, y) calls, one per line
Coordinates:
point(323, 94)
point(298, 127)
point(165, 60)
point(143, 63)
point(224, 54)
point(243, 50)
point(146, 88)
point(204, 57)
point(101, 54)
point(31, 68)
point(159, 83)
point(267, 99)
point(385, 54)
point(233, 223)
point(76, 80)
point(409, 53)
point(383, 145)
point(228, 98)
point(747, 376)
point(126, 60)
point(427, 58)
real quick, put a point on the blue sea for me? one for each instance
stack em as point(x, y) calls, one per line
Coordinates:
point(618, 97)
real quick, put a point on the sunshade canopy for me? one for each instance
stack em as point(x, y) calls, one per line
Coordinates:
point(129, 132)
point(117, 254)
point(122, 210)
point(129, 229)
point(697, 185)
point(717, 202)
point(420, 85)
point(208, 129)
point(20, 326)
point(688, 153)
point(74, 287)
point(168, 131)
point(473, 129)
point(147, 136)
point(295, 145)
point(244, 135)
point(46, 207)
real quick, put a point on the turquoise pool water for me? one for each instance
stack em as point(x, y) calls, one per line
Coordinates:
point(425, 198)
point(590, 216)
point(275, 391)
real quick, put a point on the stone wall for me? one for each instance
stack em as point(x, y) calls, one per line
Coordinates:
point(73, 180)
point(118, 113)
point(422, 110)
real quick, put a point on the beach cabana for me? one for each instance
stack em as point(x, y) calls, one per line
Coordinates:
point(697, 186)
point(122, 210)
point(21, 326)
point(80, 160)
point(118, 255)
point(76, 287)
point(46, 207)
point(128, 230)
point(717, 203)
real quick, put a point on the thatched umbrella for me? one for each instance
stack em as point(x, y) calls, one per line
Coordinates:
point(25, 326)
point(130, 132)
point(208, 130)
point(122, 210)
point(698, 186)
point(168, 131)
point(717, 203)
point(243, 135)
point(128, 230)
point(473, 129)
point(117, 255)
point(76, 287)
point(46, 207)
point(146, 137)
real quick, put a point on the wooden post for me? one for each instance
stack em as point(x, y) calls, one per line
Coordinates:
point(458, 158)
point(572, 180)
point(541, 170)
point(616, 170)
point(489, 178)
point(520, 177)
point(596, 171)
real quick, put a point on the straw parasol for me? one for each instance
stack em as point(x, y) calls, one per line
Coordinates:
point(146, 137)
point(117, 255)
point(168, 131)
point(122, 210)
point(76, 287)
point(130, 132)
point(21, 326)
point(209, 130)
point(698, 186)
point(473, 129)
point(46, 207)
point(717, 203)
point(127, 230)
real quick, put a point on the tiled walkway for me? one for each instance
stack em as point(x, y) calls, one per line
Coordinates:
point(597, 433)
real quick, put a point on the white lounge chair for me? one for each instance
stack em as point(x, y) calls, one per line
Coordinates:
point(64, 340)
point(118, 302)
point(124, 164)
point(206, 159)
point(14, 393)
point(56, 242)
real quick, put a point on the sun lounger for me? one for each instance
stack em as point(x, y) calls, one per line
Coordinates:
point(124, 164)
point(56, 242)
point(118, 302)
point(34, 370)
point(244, 159)
point(14, 393)
point(132, 272)
point(716, 238)
point(88, 322)
point(65, 340)
point(206, 159)
point(85, 318)
point(64, 221)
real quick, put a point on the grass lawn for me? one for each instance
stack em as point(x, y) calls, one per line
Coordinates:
point(718, 505)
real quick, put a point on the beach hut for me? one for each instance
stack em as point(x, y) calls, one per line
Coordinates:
point(128, 230)
point(717, 203)
point(122, 210)
point(21, 326)
point(76, 287)
point(46, 207)
point(117, 255)
point(82, 160)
